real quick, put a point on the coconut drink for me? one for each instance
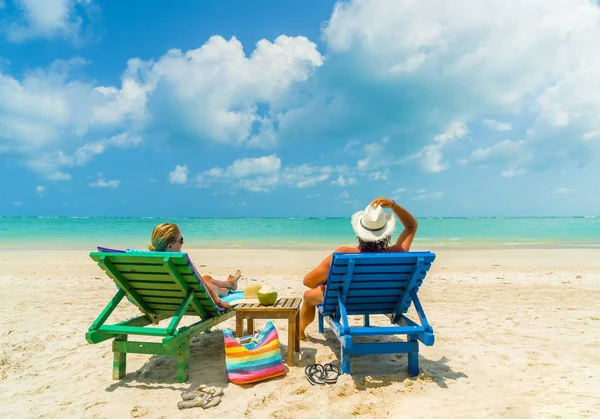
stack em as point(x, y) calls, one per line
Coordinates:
point(267, 296)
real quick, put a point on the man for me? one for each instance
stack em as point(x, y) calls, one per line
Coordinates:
point(374, 229)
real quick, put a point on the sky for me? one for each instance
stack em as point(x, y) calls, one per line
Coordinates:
point(223, 108)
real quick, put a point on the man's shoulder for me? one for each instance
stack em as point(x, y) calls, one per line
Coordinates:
point(344, 249)
point(396, 248)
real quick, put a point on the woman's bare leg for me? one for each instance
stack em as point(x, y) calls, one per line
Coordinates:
point(220, 291)
point(231, 284)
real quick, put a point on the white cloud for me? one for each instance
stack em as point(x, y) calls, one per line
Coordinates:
point(498, 126)
point(51, 164)
point(263, 174)
point(455, 131)
point(431, 156)
point(256, 166)
point(423, 195)
point(259, 174)
point(342, 168)
point(179, 174)
point(376, 155)
point(35, 111)
point(411, 64)
point(259, 184)
point(399, 70)
point(515, 55)
point(592, 135)
point(87, 152)
point(211, 93)
point(431, 159)
point(347, 199)
point(49, 110)
point(535, 61)
point(513, 155)
point(102, 183)
point(46, 19)
point(378, 175)
point(39, 190)
point(17, 203)
point(129, 100)
point(351, 146)
point(563, 191)
point(506, 151)
point(311, 181)
point(215, 90)
point(513, 172)
point(342, 181)
point(305, 175)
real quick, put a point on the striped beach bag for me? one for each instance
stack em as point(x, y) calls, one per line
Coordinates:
point(253, 358)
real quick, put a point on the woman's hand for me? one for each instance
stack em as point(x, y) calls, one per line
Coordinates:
point(223, 304)
point(383, 202)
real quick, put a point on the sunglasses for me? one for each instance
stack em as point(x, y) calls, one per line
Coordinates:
point(180, 240)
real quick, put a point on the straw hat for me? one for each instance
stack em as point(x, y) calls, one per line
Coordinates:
point(373, 224)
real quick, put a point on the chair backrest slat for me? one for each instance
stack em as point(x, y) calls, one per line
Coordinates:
point(143, 268)
point(379, 281)
point(151, 278)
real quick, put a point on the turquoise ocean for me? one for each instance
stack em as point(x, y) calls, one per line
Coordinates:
point(303, 233)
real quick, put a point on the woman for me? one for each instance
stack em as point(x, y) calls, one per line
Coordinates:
point(166, 237)
point(374, 229)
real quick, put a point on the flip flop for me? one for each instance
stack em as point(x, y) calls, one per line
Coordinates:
point(202, 389)
point(314, 374)
point(203, 400)
point(199, 401)
point(212, 402)
point(212, 390)
point(331, 373)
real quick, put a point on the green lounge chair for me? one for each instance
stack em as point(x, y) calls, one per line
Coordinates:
point(162, 285)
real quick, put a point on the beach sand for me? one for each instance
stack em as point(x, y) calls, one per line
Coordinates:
point(517, 335)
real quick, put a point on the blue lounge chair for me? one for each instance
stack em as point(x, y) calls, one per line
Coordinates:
point(162, 285)
point(377, 283)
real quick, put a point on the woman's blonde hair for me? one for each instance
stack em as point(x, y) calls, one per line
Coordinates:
point(163, 235)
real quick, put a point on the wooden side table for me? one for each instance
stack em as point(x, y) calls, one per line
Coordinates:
point(284, 308)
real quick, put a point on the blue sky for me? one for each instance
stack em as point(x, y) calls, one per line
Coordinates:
point(270, 108)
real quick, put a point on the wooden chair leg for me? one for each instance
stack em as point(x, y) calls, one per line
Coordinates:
point(291, 338)
point(297, 331)
point(183, 362)
point(119, 359)
point(239, 326)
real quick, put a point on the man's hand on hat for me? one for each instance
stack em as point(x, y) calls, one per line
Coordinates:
point(383, 202)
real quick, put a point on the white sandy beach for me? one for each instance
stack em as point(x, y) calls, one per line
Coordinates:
point(517, 335)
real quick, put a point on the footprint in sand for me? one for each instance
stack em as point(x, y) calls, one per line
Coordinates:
point(139, 411)
point(301, 390)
